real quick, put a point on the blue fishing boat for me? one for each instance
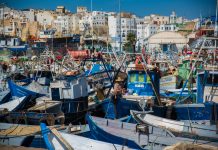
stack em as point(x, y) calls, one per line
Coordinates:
point(205, 108)
point(140, 93)
point(20, 91)
point(100, 134)
point(134, 136)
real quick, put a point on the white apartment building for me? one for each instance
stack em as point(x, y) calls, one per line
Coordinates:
point(5, 11)
point(74, 20)
point(45, 17)
point(93, 19)
point(29, 14)
point(128, 25)
point(140, 30)
point(98, 18)
point(168, 27)
point(144, 31)
point(66, 24)
point(61, 24)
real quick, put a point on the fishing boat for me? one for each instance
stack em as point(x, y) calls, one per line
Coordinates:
point(205, 107)
point(46, 111)
point(178, 128)
point(23, 135)
point(55, 140)
point(142, 89)
point(19, 91)
point(13, 44)
point(10, 134)
point(171, 85)
point(14, 105)
point(132, 135)
point(73, 93)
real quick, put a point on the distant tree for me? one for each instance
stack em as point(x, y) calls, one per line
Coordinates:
point(130, 44)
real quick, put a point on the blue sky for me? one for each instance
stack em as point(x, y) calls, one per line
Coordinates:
point(186, 8)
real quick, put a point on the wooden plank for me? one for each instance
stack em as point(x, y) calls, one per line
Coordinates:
point(19, 130)
point(58, 135)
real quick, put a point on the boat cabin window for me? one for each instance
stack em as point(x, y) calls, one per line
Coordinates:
point(148, 79)
point(133, 77)
point(141, 77)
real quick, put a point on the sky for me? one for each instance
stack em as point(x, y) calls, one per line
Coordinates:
point(187, 8)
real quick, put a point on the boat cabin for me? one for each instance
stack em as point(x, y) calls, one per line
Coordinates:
point(140, 84)
point(63, 89)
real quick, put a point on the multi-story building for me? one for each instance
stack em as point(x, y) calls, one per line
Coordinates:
point(120, 27)
point(157, 19)
point(4, 12)
point(45, 17)
point(144, 31)
point(168, 27)
point(74, 20)
point(29, 14)
point(61, 24)
point(98, 18)
point(66, 24)
point(93, 19)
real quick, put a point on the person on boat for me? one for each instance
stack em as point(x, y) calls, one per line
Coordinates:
point(117, 93)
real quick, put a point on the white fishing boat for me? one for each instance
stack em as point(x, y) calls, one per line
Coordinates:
point(179, 128)
point(14, 104)
point(61, 141)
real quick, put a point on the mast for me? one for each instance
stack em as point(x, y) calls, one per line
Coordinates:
point(216, 28)
point(120, 25)
point(3, 18)
point(92, 27)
